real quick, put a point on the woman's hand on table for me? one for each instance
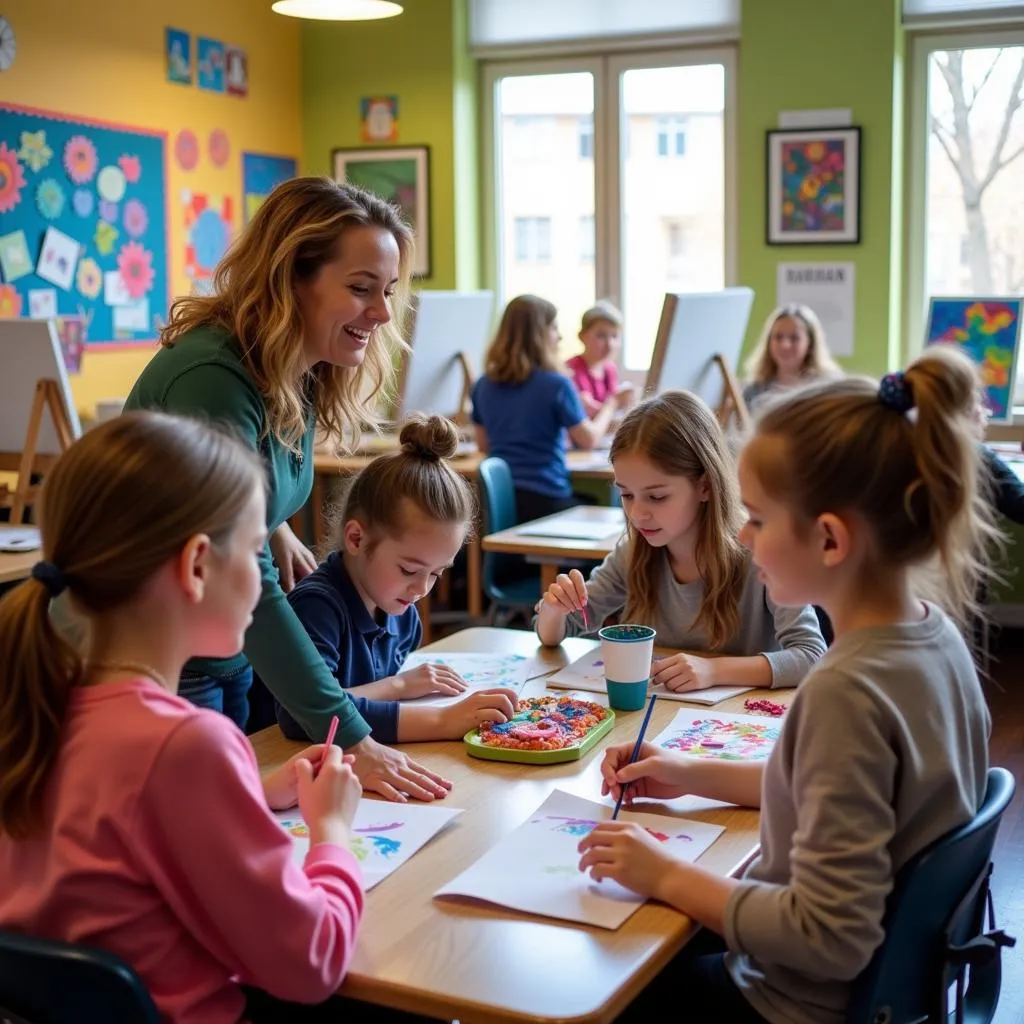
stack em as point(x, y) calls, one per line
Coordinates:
point(292, 558)
point(393, 774)
point(656, 774)
point(680, 672)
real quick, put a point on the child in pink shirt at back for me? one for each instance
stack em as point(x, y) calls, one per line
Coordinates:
point(133, 820)
point(593, 371)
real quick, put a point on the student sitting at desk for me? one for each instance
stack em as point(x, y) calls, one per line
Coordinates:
point(681, 567)
point(524, 404)
point(884, 748)
point(134, 821)
point(406, 517)
point(594, 371)
point(792, 350)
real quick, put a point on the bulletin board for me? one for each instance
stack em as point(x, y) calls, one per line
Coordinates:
point(83, 224)
point(261, 174)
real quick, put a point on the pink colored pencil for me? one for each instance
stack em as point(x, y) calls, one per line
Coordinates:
point(330, 739)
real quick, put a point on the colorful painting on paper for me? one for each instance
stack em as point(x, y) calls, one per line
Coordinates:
point(178, 47)
point(584, 826)
point(380, 118)
point(721, 737)
point(988, 331)
point(207, 222)
point(210, 64)
point(814, 185)
point(261, 174)
point(83, 198)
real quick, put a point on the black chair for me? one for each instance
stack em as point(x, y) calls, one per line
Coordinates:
point(47, 982)
point(940, 930)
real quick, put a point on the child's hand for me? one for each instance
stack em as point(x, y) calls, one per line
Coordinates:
point(628, 854)
point(328, 797)
point(624, 396)
point(568, 593)
point(497, 705)
point(281, 786)
point(429, 678)
point(656, 774)
point(683, 672)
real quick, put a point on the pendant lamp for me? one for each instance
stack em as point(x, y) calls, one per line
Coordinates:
point(337, 10)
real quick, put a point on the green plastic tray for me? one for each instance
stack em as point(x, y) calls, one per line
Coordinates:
point(571, 753)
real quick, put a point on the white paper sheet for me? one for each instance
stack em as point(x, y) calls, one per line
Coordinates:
point(114, 291)
point(132, 316)
point(587, 673)
point(19, 538)
point(42, 303)
point(583, 528)
point(536, 868)
point(384, 835)
point(480, 671)
point(717, 735)
point(830, 290)
point(58, 258)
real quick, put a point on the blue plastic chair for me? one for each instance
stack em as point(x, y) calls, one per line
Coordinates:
point(940, 930)
point(47, 982)
point(503, 582)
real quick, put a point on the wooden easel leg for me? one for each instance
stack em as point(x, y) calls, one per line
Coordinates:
point(732, 397)
point(28, 453)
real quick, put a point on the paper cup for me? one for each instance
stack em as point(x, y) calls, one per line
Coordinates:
point(627, 652)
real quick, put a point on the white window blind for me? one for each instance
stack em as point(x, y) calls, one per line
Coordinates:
point(500, 24)
point(922, 13)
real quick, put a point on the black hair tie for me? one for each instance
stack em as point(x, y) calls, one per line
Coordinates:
point(895, 392)
point(51, 577)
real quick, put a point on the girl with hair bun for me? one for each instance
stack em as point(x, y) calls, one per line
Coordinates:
point(405, 518)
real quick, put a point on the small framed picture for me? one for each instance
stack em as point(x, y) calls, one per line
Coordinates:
point(400, 175)
point(813, 181)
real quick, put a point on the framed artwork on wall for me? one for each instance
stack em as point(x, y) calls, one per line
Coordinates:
point(813, 181)
point(402, 177)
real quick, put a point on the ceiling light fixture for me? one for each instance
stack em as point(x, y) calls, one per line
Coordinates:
point(337, 10)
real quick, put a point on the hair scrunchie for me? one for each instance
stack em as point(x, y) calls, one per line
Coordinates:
point(895, 392)
point(51, 577)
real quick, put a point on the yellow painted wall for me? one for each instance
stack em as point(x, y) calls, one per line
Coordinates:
point(105, 59)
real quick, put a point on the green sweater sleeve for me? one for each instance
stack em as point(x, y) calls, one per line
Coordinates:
point(276, 645)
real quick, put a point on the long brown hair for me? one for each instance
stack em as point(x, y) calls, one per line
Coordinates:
point(117, 506)
point(761, 367)
point(418, 473)
point(295, 233)
point(521, 344)
point(680, 435)
point(912, 477)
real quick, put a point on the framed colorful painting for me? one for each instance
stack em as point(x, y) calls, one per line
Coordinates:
point(402, 177)
point(988, 331)
point(814, 186)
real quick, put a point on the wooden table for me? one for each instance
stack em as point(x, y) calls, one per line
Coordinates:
point(477, 963)
point(17, 566)
point(552, 551)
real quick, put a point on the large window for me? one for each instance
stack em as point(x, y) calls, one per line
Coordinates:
point(969, 215)
point(626, 159)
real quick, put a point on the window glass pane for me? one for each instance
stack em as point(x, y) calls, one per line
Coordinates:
point(974, 211)
point(673, 229)
point(545, 189)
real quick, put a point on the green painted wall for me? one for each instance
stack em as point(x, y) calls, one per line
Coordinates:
point(413, 57)
point(820, 54)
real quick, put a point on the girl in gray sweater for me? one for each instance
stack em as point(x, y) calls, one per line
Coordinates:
point(849, 488)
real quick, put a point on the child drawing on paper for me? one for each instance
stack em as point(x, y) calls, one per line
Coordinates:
point(884, 748)
point(405, 519)
point(727, 740)
point(584, 826)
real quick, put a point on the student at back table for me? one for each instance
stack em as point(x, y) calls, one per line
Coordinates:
point(524, 404)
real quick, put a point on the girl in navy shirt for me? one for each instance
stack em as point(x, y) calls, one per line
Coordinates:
point(524, 404)
point(405, 519)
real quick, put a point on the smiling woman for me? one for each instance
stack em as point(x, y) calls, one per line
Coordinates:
point(297, 337)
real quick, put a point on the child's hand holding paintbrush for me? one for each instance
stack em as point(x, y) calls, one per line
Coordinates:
point(328, 792)
point(568, 594)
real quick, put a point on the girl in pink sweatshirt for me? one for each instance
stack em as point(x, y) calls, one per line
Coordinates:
point(130, 819)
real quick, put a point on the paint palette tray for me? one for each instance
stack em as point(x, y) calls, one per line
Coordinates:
point(541, 720)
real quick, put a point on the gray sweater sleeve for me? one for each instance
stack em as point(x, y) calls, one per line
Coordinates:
point(827, 921)
point(606, 591)
point(802, 644)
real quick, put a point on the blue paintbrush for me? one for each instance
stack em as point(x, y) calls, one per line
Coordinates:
point(635, 754)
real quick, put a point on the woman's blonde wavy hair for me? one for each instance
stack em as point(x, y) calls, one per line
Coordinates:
point(293, 235)
point(761, 368)
point(680, 435)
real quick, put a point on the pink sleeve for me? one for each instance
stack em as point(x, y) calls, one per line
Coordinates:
point(611, 377)
point(226, 867)
point(580, 379)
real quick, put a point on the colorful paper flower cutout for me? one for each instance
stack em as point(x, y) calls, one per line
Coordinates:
point(111, 184)
point(10, 300)
point(50, 198)
point(80, 159)
point(220, 147)
point(131, 168)
point(108, 211)
point(34, 150)
point(105, 237)
point(135, 264)
point(135, 218)
point(209, 238)
point(83, 202)
point(89, 278)
point(12, 179)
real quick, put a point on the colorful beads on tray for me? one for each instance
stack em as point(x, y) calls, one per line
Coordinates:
point(545, 723)
point(762, 706)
